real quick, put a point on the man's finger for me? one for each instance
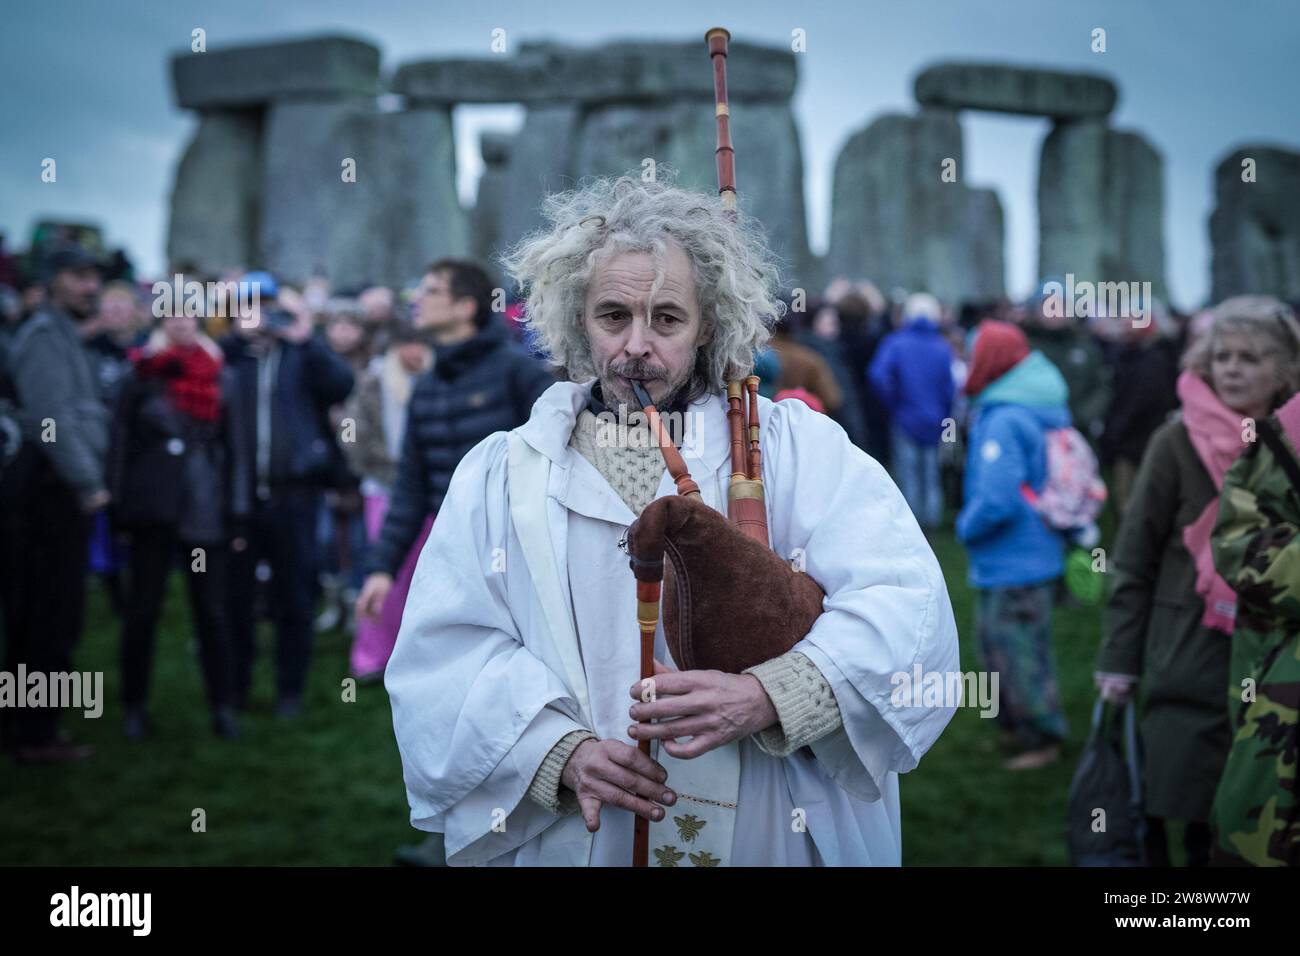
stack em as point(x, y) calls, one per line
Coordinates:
point(669, 729)
point(611, 794)
point(590, 812)
point(665, 708)
point(634, 759)
point(662, 668)
point(696, 746)
point(668, 682)
point(632, 782)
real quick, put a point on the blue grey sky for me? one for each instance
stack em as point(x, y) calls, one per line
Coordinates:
point(87, 82)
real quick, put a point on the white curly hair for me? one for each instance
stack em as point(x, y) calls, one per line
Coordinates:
point(736, 277)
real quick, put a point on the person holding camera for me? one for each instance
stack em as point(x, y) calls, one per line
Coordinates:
point(172, 470)
point(285, 379)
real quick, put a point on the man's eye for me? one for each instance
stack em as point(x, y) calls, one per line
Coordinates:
point(667, 318)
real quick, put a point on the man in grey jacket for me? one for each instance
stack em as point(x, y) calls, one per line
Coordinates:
point(50, 496)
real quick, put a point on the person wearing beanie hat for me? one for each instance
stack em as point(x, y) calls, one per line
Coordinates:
point(1000, 346)
point(912, 374)
point(1015, 558)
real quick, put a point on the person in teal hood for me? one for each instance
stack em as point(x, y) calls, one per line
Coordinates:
point(1015, 558)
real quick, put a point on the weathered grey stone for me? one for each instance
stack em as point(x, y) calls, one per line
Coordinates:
point(1071, 205)
point(1133, 248)
point(215, 199)
point(318, 67)
point(894, 219)
point(611, 71)
point(980, 236)
point(404, 198)
point(541, 161)
point(1011, 89)
point(485, 221)
point(401, 212)
point(1255, 226)
point(307, 203)
point(1100, 206)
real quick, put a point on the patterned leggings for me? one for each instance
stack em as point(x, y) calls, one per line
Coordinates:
point(1014, 630)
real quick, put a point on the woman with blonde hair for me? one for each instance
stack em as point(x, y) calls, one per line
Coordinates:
point(1170, 617)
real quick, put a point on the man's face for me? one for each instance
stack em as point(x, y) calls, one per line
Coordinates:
point(116, 312)
point(376, 304)
point(635, 339)
point(434, 307)
point(77, 290)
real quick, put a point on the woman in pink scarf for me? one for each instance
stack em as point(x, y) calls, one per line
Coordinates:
point(1169, 621)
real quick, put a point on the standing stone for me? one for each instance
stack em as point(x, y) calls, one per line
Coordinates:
point(1071, 208)
point(216, 197)
point(405, 196)
point(1100, 206)
point(895, 221)
point(1255, 227)
point(1133, 248)
point(486, 219)
point(541, 161)
point(306, 205)
point(980, 236)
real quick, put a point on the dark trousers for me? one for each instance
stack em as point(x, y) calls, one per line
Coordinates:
point(282, 532)
point(1196, 841)
point(44, 561)
point(153, 551)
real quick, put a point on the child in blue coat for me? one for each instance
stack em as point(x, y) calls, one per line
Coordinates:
point(1015, 557)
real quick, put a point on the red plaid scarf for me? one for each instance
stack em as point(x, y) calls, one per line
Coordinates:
point(191, 375)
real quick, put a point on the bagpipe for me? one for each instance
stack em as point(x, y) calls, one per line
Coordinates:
point(729, 601)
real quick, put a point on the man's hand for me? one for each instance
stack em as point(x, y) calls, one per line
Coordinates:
point(374, 592)
point(710, 707)
point(610, 771)
point(303, 327)
point(95, 501)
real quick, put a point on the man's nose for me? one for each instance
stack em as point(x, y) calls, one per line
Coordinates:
point(638, 339)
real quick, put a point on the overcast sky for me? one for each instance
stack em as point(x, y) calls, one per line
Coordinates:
point(87, 82)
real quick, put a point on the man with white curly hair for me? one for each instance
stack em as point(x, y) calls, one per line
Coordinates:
point(514, 682)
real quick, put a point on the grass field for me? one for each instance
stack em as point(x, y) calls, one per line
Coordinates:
point(327, 788)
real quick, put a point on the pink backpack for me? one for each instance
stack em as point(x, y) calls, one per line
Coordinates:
point(1074, 494)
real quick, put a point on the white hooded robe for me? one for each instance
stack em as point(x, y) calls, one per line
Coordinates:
point(520, 627)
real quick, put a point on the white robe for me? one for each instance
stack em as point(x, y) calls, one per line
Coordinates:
point(482, 686)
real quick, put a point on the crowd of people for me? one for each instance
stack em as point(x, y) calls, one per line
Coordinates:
point(289, 464)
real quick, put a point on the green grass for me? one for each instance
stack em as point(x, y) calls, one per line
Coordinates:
point(327, 788)
point(960, 807)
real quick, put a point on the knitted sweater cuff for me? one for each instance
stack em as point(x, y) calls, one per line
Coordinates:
point(805, 704)
point(546, 789)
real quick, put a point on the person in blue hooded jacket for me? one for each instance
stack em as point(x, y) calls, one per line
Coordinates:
point(1015, 557)
point(911, 374)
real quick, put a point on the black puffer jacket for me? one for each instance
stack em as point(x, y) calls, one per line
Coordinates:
point(483, 385)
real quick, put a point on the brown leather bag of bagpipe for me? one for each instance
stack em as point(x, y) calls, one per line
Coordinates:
point(729, 601)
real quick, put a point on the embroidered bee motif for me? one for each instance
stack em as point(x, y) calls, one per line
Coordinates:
point(705, 859)
point(668, 855)
point(689, 827)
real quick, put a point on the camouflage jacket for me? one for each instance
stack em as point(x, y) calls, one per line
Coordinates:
point(1256, 813)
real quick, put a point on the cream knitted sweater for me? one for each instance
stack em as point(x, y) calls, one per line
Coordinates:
point(805, 706)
